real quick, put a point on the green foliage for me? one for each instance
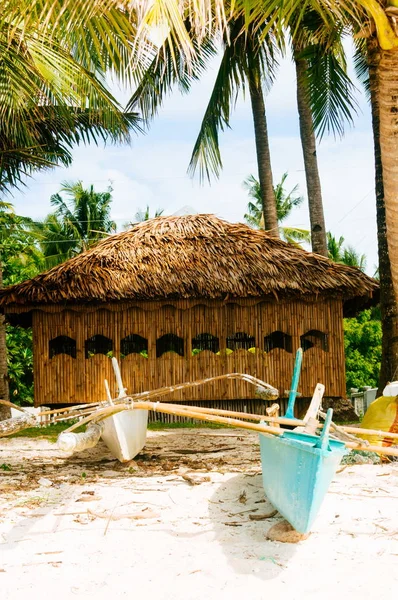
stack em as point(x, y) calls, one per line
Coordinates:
point(344, 255)
point(80, 219)
point(20, 364)
point(362, 342)
point(285, 203)
point(20, 259)
point(52, 81)
point(19, 256)
point(145, 215)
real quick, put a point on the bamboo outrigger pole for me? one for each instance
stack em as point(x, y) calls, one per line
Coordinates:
point(104, 413)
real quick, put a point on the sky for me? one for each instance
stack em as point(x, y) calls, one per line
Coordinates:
point(153, 169)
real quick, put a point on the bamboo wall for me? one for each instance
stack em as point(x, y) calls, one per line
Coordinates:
point(63, 379)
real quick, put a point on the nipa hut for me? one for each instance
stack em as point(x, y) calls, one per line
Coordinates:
point(178, 299)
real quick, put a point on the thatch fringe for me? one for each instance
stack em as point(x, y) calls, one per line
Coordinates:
point(197, 256)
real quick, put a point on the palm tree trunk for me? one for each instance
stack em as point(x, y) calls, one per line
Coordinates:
point(5, 412)
point(308, 143)
point(263, 155)
point(388, 299)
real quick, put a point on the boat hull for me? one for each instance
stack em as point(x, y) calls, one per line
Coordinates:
point(297, 474)
point(125, 433)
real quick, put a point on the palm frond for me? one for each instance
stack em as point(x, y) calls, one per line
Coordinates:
point(53, 58)
point(329, 89)
point(206, 156)
point(167, 69)
point(334, 247)
point(144, 215)
point(284, 206)
point(361, 65)
point(352, 258)
point(45, 136)
point(295, 235)
point(244, 57)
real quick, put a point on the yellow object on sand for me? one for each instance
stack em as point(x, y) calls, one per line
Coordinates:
point(382, 414)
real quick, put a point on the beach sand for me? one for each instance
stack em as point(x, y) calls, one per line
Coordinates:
point(177, 523)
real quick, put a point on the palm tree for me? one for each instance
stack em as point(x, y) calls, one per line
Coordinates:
point(250, 60)
point(324, 100)
point(79, 221)
point(52, 92)
point(367, 62)
point(50, 134)
point(308, 143)
point(53, 60)
point(344, 255)
point(285, 203)
point(375, 21)
point(335, 247)
point(246, 63)
point(141, 216)
point(145, 215)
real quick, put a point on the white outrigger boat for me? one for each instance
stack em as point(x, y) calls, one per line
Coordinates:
point(124, 433)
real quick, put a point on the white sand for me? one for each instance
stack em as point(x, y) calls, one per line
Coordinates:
point(105, 530)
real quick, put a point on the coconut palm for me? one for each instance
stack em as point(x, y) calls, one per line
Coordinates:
point(285, 203)
point(145, 215)
point(52, 92)
point(53, 59)
point(345, 255)
point(49, 137)
point(245, 64)
point(80, 219)
point(4, 389)
point(367, 60)
point(374, 22)
point(321, 75)
point(368, 18)
point(241, 68)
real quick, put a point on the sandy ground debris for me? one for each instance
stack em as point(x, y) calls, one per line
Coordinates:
point(186, 520)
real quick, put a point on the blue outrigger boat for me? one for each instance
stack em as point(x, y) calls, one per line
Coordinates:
point(298, 467)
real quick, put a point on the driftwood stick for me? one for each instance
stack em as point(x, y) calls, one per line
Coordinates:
point(118, 376)
point(172, 409)
point(71, 409)
point(10, 426)
point(254, 417)
point(358, 445)
point(108, 391)
point(12, 405)
point(315, 403)
point(341, 434)
point(273, 411)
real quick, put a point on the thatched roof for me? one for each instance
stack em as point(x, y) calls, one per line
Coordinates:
point(194, 256)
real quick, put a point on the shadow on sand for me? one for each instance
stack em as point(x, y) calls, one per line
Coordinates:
point(243, 540)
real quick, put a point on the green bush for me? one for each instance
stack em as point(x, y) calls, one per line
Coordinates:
point(362, 342)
